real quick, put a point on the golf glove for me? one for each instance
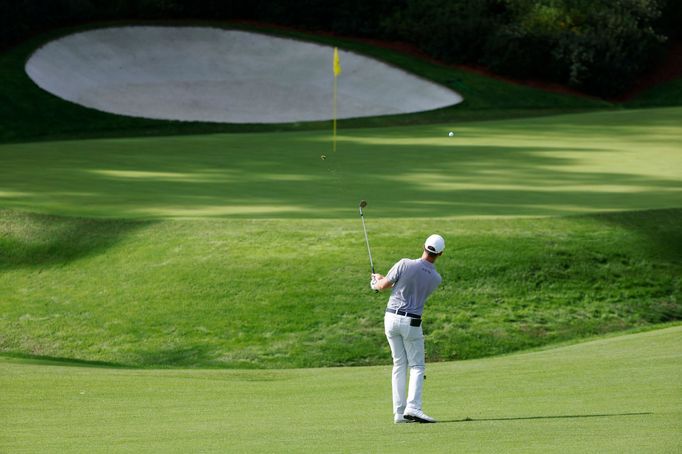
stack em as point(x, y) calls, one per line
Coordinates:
point(373, 283)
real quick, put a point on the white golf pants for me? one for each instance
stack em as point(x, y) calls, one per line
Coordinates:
point(407, 349)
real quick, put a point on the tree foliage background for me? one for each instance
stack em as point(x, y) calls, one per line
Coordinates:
point(597, 46)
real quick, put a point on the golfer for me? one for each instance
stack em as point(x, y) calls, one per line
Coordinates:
point(411, 281)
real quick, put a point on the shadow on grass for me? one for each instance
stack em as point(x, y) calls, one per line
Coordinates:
point(218, 179)
point(176, 356)
point(659, 229)
point(526, 418)
point(44, 360)
point(29, 240)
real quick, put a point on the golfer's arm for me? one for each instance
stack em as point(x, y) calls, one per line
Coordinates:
point(383, 284)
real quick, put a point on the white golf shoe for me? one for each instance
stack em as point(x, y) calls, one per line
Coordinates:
point(400, 419)
point(418, 416)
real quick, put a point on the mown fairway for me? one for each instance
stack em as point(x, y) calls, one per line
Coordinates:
point(614, 395)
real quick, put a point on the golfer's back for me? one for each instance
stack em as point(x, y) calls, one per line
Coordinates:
point(413, 282)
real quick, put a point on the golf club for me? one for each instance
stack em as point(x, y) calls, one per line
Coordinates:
point(363, 203)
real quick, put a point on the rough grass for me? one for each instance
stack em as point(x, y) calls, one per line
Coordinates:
point(615, 395)
point(294, 293)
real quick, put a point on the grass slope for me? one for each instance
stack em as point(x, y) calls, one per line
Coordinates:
point(665, 94)
point(615, 395)
point(294, 293)
point(27, 113)
point(544, 166)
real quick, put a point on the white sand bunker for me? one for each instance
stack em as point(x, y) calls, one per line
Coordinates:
point(207, 74)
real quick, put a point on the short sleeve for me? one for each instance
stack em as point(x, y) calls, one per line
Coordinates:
point(396, 271)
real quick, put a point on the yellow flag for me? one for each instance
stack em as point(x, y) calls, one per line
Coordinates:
point(337, 65)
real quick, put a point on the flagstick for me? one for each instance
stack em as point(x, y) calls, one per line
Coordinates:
point(334, 122)
point(337, 71)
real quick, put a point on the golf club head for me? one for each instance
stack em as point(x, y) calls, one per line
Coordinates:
point(363, 203)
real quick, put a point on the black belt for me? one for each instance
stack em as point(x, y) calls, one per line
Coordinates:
point(404, 314)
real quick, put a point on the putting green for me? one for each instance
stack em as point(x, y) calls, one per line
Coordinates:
point(619, 394)
point(615, 160)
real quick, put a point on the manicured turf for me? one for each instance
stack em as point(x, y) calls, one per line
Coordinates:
point(614, 395)
point(548, 166)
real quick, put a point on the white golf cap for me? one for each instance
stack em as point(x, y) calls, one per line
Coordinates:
point(434, 244)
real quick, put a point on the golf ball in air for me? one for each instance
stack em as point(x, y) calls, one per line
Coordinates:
point(451, 133)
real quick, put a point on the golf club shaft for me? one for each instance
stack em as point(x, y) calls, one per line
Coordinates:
point(371, 263)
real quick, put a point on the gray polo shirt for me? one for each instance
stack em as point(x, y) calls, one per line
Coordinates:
point(414, 281)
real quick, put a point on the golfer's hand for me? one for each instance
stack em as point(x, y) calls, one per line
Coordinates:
point(374, 281)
